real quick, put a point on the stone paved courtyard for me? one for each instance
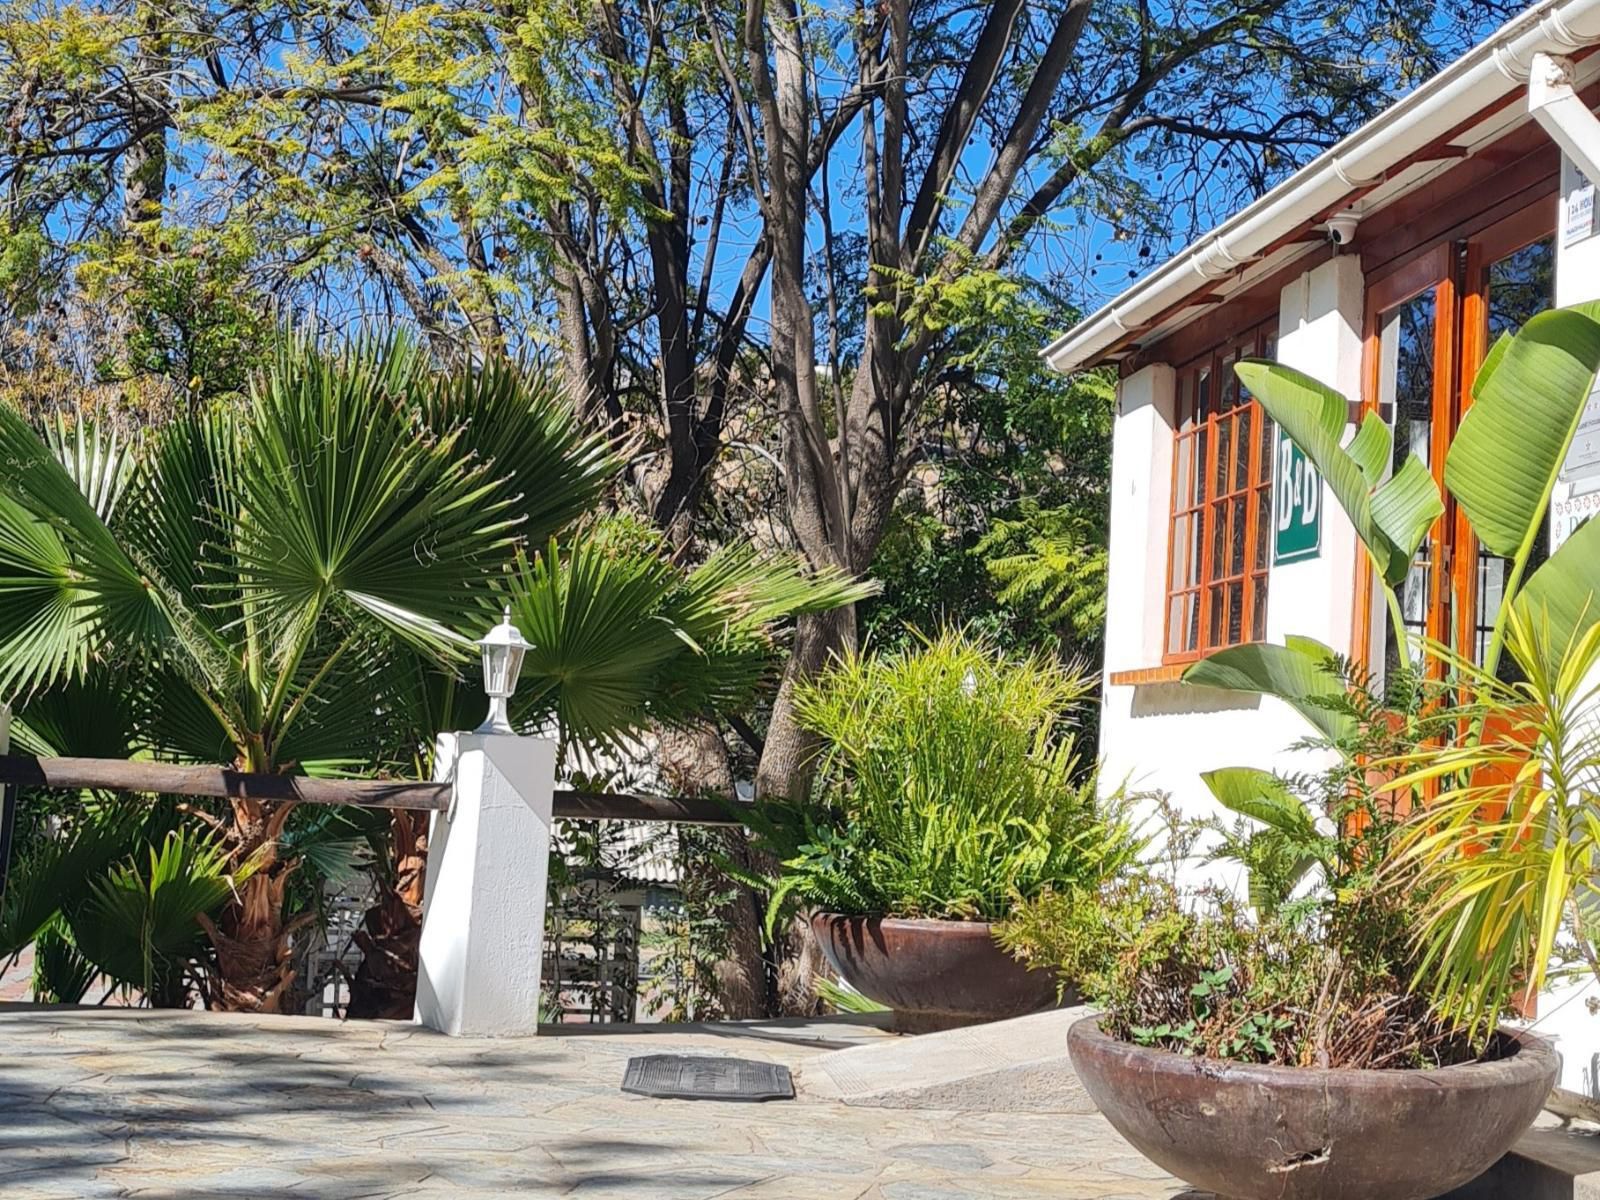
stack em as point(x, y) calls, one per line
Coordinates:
point(103, 1102)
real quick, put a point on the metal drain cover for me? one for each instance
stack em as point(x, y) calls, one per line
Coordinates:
point(701, 1077)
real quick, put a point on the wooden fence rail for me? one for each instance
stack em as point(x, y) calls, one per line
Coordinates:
point(116, 774)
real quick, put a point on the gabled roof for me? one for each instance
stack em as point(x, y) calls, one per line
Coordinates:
point(1468, 104)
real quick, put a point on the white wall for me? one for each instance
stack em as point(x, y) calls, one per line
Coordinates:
point(1161, 736)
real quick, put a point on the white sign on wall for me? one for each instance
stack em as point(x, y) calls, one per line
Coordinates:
point(1577, 492)
point(1580, 215)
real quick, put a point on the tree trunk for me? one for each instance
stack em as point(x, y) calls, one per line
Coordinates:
point(788, 759)
point(255, 971)
point(144, 164)
point(385, 985)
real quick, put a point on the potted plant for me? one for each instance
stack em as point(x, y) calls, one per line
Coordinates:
point(949, 790)
point(1295, 1046)
point(1217, 1054)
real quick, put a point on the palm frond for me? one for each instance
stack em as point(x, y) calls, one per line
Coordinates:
point(61, 974)
point(139, 924)
point(544, 463)
point(54, 875)
point(98, 460)
point(622, 638)
point(345, 497)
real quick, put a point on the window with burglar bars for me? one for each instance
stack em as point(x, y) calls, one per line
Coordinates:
point(1221, 505)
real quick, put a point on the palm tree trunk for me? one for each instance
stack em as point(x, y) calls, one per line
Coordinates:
point(253, 942)
point(385, 985)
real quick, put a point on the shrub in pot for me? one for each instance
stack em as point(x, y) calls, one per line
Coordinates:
point(1292, 1045)
point(949, 789)
point(1483, 838)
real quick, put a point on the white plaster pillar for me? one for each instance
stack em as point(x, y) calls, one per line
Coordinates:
point(1141, 519)
point(1319, 332)
point(488, 869)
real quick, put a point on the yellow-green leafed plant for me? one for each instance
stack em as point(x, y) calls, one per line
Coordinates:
point(1511, 839)
point(950, 787)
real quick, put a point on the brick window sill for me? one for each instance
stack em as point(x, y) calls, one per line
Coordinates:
point(1166, 673)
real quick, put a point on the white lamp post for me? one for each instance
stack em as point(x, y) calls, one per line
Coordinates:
point(482, 949)
point(503, 649)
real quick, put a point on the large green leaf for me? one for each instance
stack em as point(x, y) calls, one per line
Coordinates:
point(140, 922)
point(66, 584)
point(1299, 673)
point(57, 871)
point(1562, 598)
point(1372, 448)
point(346, 500)
point(1262, 796)
point(1491, 363)
point(548, 466)
point(622, 637)
point(1505, 457)
point(98, 459)
point(1405, 506)
point(1390, 517)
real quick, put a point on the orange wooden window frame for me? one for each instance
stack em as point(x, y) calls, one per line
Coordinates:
point(1195, 511)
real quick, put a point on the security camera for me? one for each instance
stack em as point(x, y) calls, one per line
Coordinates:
point(1342, 228)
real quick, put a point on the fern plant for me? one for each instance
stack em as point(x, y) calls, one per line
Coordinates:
point(1051, 561)
point(950, 787)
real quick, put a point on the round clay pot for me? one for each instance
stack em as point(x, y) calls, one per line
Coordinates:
point(1289, 1133)
point(933, 974)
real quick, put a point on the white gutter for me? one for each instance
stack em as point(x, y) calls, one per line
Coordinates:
point(1471, 83)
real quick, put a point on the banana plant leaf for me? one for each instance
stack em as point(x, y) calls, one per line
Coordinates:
point(1528, 398)
point(1562, 598)
point(1302, 673)
point(1390, 517)
point(1262, 796)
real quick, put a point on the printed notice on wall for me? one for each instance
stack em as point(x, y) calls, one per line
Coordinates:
point(1296, 507)
point(1577, 492)
point(1580, 215)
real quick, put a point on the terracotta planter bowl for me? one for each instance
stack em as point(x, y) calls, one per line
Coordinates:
point(933, 974)
point(1283, 1133)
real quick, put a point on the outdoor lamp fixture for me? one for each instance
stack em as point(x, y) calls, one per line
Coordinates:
point(503, 649)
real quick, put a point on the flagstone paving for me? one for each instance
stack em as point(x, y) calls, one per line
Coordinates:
point(98, 1102)
point(16, 979)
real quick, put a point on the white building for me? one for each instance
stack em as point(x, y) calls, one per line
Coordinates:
point(1385, 268)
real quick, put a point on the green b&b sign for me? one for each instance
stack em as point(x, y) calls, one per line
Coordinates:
point(1296, 506)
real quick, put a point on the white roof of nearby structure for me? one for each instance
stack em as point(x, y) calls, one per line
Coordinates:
point(1382, 160)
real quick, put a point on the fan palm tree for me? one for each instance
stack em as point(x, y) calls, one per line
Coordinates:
point(291, 584)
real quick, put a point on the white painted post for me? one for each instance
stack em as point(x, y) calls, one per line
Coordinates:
point(488, 868)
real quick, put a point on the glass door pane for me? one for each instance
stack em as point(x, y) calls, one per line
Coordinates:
point(1516, 287)
point(1406, 390)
